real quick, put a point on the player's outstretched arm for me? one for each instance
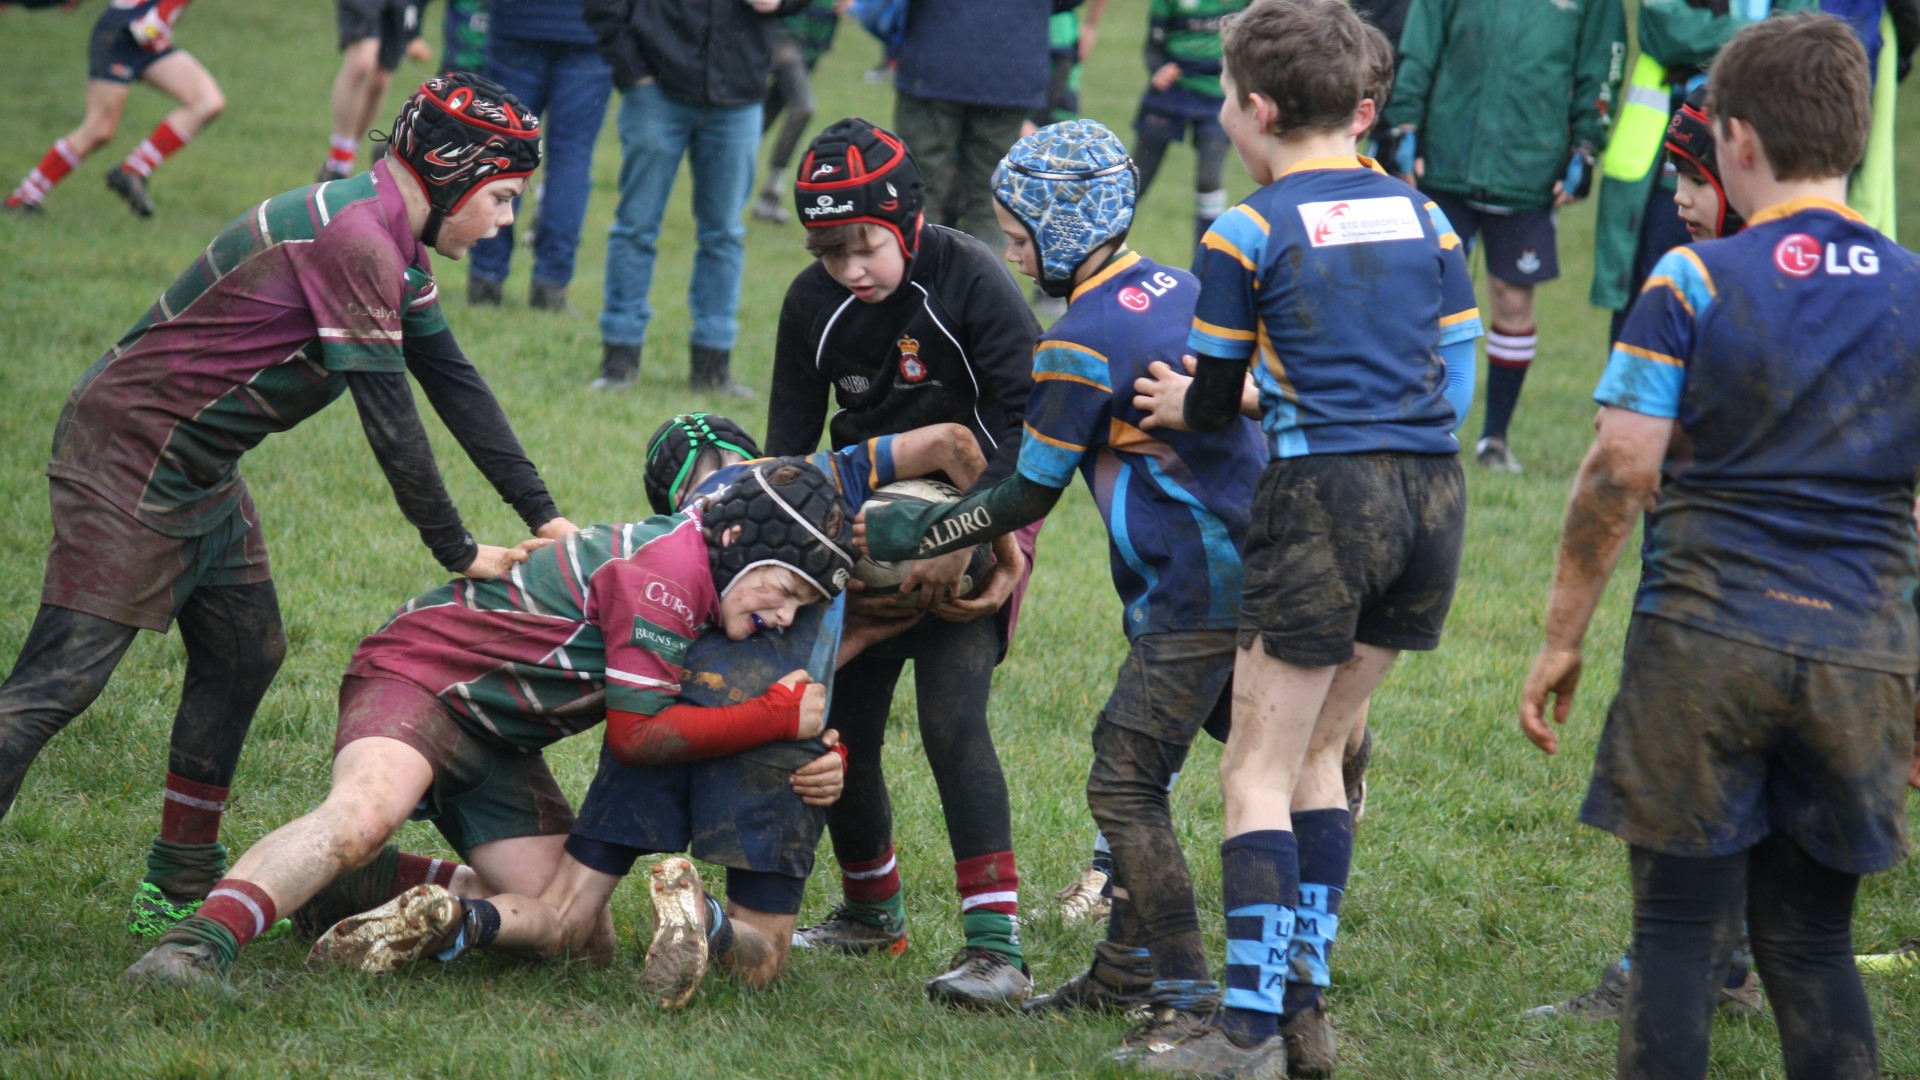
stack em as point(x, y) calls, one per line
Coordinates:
point(907, 530)
point(793, 708)
point(400, 446)
point(466, 404)
point(1617, 481)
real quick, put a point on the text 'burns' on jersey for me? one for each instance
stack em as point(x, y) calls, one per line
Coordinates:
point(1166, 496)
point(1789, 355)
point(1341, 284)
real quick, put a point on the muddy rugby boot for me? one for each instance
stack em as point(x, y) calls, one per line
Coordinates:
point(402, 931)
point(677, 956)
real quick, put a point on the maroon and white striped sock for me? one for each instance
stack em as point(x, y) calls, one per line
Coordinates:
point(52, 169)
point(157, 147)
point(242, 907)
point(872, 881)
point(190, 812)
point(413, 870)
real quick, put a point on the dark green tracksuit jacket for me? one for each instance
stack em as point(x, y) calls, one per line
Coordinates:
point(1501, 90)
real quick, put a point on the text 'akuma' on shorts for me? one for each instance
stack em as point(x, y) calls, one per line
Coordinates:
point(482, 790)
point(106, 563)
point(1713, 744)
point(1346, 548)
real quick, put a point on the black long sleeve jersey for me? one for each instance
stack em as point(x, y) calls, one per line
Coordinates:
point(954, 344)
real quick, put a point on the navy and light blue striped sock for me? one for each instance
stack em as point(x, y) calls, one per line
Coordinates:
point(1325, 839)
point(1260, 882)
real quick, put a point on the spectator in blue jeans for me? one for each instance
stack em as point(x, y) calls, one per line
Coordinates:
point(692, 75)
point(543, 52)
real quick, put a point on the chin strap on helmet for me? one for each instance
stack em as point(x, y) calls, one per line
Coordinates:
point(458, 133)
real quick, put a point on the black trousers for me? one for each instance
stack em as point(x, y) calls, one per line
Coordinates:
point(952, 675)
point(1686, 920)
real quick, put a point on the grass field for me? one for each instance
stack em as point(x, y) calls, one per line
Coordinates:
point(1475, 893)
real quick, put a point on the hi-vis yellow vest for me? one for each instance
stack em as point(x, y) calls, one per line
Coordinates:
point(1641, 125)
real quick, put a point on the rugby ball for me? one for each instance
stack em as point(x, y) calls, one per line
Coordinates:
point(883, 578)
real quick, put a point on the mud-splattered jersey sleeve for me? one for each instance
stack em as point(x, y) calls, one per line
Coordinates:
point(1648, 366)
point(858, 470)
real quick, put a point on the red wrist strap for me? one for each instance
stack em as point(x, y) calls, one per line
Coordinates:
point(681, 733)
point(846, 763)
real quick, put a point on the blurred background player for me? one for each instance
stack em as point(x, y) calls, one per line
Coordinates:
point(132, 39)
point(799, 41)
point(374, 36)
point(904, 325)
point(1507, 178)
point(464, 32)
point(1175, 505)
point(310, 295)
point(1183, 89)
point(1635, 219)
point(543, 52)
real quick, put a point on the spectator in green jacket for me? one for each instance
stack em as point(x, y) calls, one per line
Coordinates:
point(1500, 114)
point(1636, 222)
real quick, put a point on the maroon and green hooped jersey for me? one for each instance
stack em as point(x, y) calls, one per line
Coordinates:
point(599, 620)
point(256, 336)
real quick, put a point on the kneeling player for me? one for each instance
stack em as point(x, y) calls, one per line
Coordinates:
point(1176, 507)
point(449, 704)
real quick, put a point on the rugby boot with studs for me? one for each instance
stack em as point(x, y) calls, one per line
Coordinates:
point(1309, 1038)
point(402, 931)
point(677, 956)
point(185, 964)
point(848, 931)
point(1085, 899)
point(132, 187)
point(981, 979)
point(1181, 1039)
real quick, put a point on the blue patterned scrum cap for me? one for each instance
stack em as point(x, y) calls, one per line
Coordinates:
point(1072, 186)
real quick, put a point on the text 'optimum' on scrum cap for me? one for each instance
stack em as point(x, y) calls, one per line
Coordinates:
point(675, 448)
point(790, 514)
point(1690, 136)
point(1072, 187)
point(856, 173)
point(456, 134)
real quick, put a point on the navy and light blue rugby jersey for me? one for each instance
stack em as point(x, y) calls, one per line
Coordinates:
point(1344, 283)
point(1175, 502)
point(1789, 354)
point(856, 470)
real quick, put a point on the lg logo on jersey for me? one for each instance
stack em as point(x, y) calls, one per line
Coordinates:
point(1799, 255)
point(1137, 300)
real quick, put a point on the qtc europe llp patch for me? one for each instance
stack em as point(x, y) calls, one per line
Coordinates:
point(1361, 221)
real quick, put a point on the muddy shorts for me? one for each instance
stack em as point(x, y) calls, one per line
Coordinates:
point(1713, 744)
point(739, 811)
point(104, 562)
point(112, 54)
point(1522, 245)
point(394, 22)
point(482, 790)
point(1174, 685)
point(1346, 548)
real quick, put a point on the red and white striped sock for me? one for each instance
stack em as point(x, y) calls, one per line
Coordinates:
point(1512, 347)
point(242, 907)
point(341, 154)
point(413, 870)
point(190, 812)
point(872, 881)
point(156, 148)
point(52, 169)
point(988, 883)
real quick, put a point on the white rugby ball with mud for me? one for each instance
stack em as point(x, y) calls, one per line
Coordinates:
point(883, 578)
